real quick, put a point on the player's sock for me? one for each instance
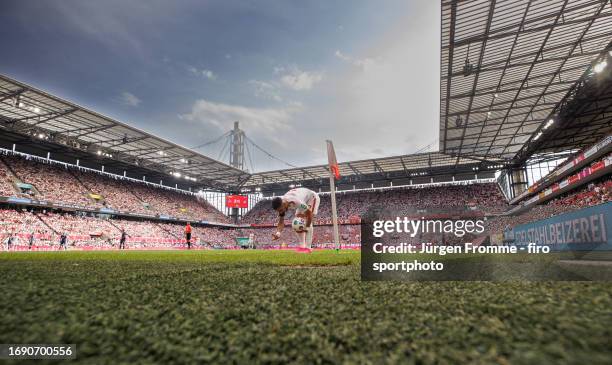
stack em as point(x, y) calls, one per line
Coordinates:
point(302, 239)
point(309, 235)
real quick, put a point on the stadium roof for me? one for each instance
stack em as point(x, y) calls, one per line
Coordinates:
point(387, 167)
point(34, 118)
point(583, 118)
point(506, 65)
point(27, 111)
point(40, 121)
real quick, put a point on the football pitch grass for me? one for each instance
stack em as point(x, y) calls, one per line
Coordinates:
point(277, 307)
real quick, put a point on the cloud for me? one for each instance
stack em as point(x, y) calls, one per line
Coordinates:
point(272, 121)
point(291, 77)
point(208, 74)
point(364, 63)
point(129, 99)
point(298, 80)
point(266, 90)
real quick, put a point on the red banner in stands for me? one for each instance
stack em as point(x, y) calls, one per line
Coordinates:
point(598, 166)
point(236, 201)
point(585, 172)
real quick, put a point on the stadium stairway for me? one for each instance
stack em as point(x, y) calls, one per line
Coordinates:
point(7, 175)
point(19, 180)
point(145, 204)
point(45, 223)
point(8, 167)
point(172, 234)
point(89, 191)
point(114, 225)
point(14, 179)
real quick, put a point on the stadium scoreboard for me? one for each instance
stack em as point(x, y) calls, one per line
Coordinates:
point(236, 201)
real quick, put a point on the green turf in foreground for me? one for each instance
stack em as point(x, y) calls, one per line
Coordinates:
point(255, 306)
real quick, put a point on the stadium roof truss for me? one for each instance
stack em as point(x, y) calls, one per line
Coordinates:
point(506, 65)
point(387, 167)
point(33, 113)
point(582, 118)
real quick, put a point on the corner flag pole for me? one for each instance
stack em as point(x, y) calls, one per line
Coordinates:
point(334, 173)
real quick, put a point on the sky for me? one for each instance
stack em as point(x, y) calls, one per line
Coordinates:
point(364, 74)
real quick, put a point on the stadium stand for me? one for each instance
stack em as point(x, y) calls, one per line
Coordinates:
point(102, 202)
point(50, 182)
point(485, 198)
point(595, 193)
point(89, 232)
point(23, 223)
point(115, 193)
point(69, 185)
point(73, 186)
point(6, 186)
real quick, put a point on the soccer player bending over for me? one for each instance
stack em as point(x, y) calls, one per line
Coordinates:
point(306, 204)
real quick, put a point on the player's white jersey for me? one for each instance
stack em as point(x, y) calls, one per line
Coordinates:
point(302, 199)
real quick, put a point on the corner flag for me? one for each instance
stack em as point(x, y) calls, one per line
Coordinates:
point(334, 172)
point(331, 157)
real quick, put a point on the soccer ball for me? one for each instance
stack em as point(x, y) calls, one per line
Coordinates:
point(298, 224)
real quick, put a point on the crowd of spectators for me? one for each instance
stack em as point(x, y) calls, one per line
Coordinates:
point(22, 224)
point(348, 234)
point(593, 194)
point(6, 185)
point(50, 182)
point(86, 231)
point(69, 185)
point(89, 231)
point(73, 186)
point(115, 193)
point(98, 233)
point(183, 205)
point(446, 199)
